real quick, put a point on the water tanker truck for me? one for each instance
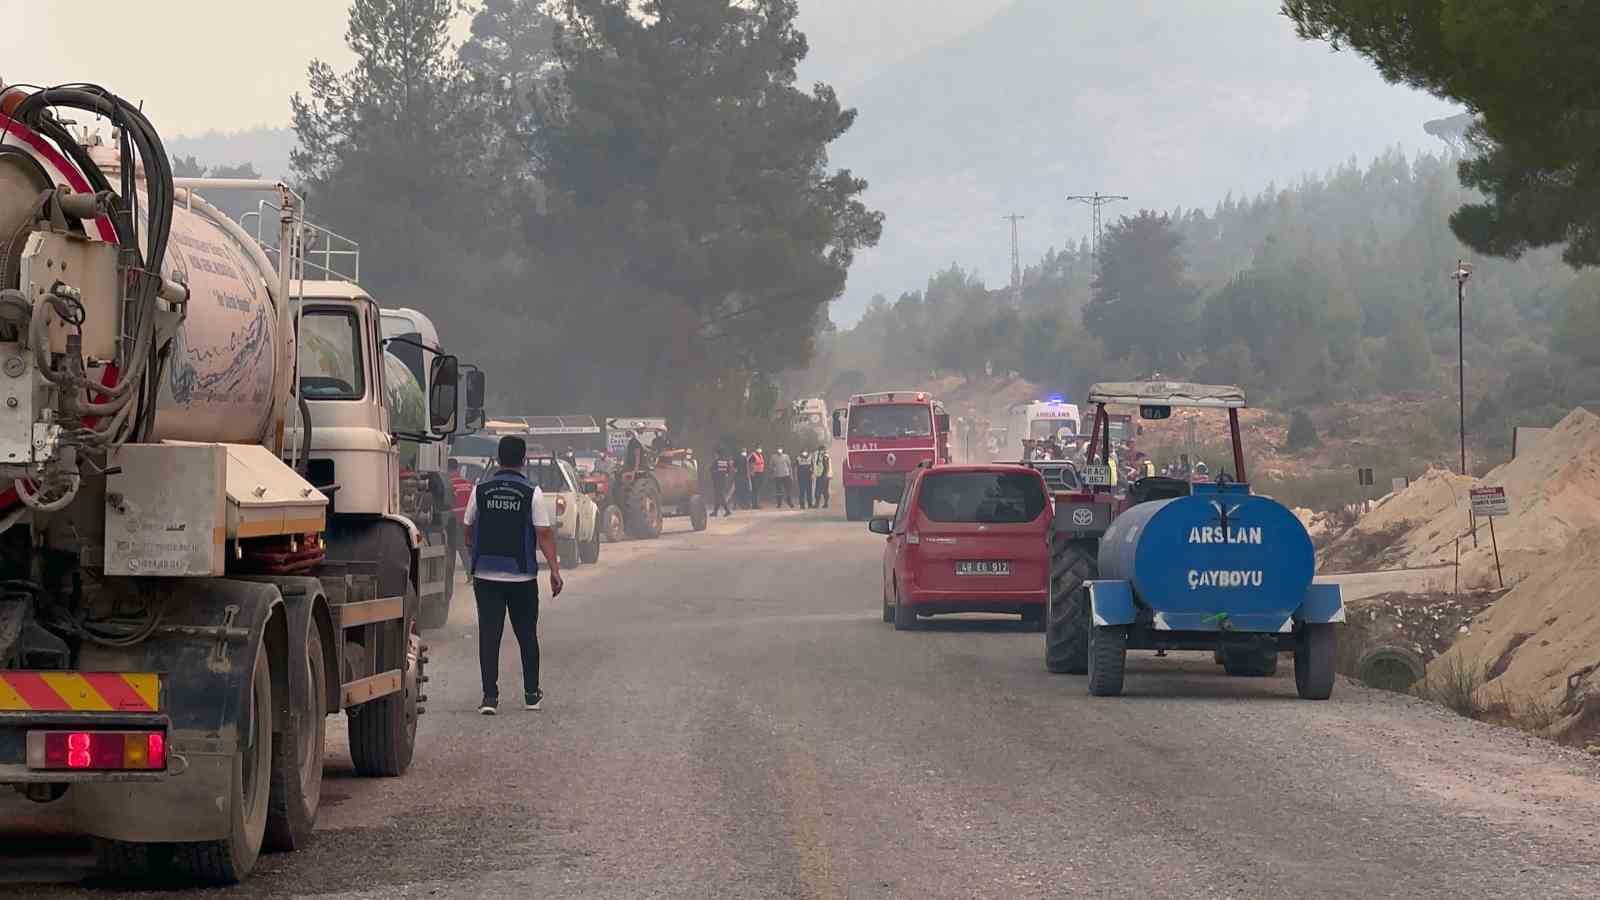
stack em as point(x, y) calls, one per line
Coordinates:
point(1171, 565)
point(201, 554)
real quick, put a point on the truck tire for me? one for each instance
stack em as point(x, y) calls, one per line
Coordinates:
point(1313, 661)
point(383, 732)
point(905, 617)
point(857, 505)
point(297, 755)
point(1245, 663)
point(611, 525)
point(1066, 629)
point(697, 512)
point(129, 861)
point(1108, 660)
point(567, 550)
point(589, 551)
point(643, 512)
point(229, 860)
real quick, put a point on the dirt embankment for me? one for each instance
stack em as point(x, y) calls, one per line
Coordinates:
point(1554, 494)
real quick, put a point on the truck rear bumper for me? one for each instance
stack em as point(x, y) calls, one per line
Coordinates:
point(179, 803)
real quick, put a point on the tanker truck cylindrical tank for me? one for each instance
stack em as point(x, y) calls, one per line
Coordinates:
point(1184, 563)
point(218, 381)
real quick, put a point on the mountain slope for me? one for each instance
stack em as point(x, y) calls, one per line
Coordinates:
point(1171, 104)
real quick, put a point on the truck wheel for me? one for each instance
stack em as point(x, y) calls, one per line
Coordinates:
point(1108, 660)
point(297, 755)
point(905, 617)
point(589, 551)
point(1066, 629)
point(857, 505)
point(435, 613)
point(567, 550)
point(229, 860)
point(697, 512)
point(611, 524)
point(128, 861)
point(383, 732)
point(1250, 663)
point(1313, 661)
point(644, 509)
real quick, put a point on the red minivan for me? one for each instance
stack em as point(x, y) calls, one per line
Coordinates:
point(967, 539)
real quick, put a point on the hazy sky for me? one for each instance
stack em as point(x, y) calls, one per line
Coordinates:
point(232, 64)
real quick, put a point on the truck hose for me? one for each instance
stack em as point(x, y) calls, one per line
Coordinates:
point(33, 501)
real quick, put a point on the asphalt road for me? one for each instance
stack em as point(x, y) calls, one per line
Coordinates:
point(728, 717)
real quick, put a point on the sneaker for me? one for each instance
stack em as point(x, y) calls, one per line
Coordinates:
point(489, 706)
point(533, 699)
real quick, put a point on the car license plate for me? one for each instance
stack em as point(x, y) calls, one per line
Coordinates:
point(983, 567)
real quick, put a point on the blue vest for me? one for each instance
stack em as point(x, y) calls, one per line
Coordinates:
point(503, 537)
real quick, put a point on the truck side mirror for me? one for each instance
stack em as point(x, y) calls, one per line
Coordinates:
point(943, 419)
point(838, 424)
point(443, 379)
point(474, 389)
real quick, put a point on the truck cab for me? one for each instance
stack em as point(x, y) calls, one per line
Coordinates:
point(888, 435)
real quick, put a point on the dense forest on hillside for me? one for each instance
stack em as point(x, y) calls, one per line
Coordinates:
point(1335, 288)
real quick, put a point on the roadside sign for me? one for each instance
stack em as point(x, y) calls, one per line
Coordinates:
point(1489, 501)
point(1097, 476)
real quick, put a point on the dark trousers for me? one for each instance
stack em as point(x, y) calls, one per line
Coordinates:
point(496, 601)
point(820, 492)
point(806, 499)
point(758, 480)
point(721, 489)
point(780, 491)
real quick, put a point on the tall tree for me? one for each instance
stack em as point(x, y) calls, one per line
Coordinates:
point(391, 151)
point(1526, 70)
point(691, 212)
point(1142, 300)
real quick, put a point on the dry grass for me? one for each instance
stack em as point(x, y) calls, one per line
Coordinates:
point(1454, 683)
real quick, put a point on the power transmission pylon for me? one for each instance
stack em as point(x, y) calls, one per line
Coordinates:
point(1016, 253)
point(1097, 200)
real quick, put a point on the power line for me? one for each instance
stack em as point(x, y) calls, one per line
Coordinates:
point(1016, 253)
point(1097, 200)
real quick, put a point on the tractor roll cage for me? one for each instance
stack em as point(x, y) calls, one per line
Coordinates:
point(1164, 393)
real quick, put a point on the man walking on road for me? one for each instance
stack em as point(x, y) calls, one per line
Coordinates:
point(824, 467)
point(505, 517)
point(758, 477)
point(741, 479)
point(803, 473)
point(782, 479)
point(722, 481)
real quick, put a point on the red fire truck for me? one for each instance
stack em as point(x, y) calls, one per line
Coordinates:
point(889, 434)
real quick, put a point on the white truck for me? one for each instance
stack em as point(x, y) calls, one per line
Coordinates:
point(426, 495)
point(202, 553)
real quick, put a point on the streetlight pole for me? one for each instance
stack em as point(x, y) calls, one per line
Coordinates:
point(1462, 273)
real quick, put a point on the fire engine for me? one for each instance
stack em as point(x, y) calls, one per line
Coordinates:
point(889, 434)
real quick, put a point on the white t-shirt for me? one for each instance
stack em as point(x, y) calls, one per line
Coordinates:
point(541, 519)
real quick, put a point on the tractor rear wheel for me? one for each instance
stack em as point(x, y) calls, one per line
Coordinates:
point(1313, 661)
point(1066, 629)
point(643, 513)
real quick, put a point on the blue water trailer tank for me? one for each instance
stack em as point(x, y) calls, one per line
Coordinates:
point(1216, 560)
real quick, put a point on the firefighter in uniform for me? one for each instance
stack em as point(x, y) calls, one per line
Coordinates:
point(505, 520)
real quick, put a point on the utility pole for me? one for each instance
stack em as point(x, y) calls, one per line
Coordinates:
point(1097, 200)
point(1459, 276)
point(1016, 254)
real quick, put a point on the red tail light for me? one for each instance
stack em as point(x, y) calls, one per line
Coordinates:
point(97, 750)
